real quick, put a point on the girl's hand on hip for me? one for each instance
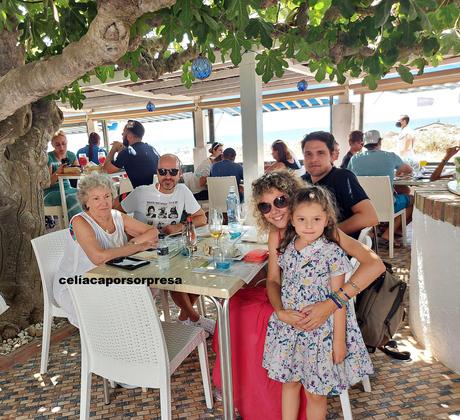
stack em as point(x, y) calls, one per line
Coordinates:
point(316, 315)
point(339, 351)
point(290, 316)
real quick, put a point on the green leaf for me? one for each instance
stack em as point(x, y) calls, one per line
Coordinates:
point(346, 7)
point(430, 46)
point(321, 73)
point(258, 28)
point(238, 11)
point(270, 63)
point(370, 81)
point(382, 12)
point(405, 74)
point(213, 25)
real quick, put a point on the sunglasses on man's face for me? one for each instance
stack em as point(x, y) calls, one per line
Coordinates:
point(172, 172)
point(279, 203)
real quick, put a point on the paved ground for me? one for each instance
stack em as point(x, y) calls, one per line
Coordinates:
point(420, 389)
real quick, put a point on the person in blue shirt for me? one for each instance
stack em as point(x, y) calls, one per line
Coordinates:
point(92, 149)
point(376, 162)
point(228, 167)
point(139, 159)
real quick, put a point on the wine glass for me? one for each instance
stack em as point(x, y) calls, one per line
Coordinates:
point(215, 224)
point(101, 157)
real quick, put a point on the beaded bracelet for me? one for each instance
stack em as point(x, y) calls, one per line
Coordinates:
point(345, 293)
point(332, 297)
point(342, 301)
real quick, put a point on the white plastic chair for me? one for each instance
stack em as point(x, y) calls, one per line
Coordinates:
point(123, 339)
point(380, 192)
point(48, 251)
point(218, 191)
point(56, 211)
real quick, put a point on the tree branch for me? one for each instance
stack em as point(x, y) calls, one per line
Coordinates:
point(106, 41)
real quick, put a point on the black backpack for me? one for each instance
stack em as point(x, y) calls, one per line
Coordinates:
point(379, 311)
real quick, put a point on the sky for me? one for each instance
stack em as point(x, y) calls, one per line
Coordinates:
point(381, 111)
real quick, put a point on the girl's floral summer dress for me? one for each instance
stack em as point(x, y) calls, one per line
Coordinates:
point(292, 355)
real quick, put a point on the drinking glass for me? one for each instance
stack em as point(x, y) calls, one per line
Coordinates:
point(189, 240)
point(101, 157)
point(82, 160)
point(241, 214)
point(215, 224)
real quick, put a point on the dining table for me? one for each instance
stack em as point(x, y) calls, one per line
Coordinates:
point(218, 285)
point(62, 177)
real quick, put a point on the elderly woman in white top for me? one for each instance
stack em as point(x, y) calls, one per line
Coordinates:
point(98, 234)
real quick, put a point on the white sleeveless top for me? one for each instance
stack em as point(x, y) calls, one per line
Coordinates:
point(75, 261)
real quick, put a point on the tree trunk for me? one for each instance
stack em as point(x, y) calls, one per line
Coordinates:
point(23, 175)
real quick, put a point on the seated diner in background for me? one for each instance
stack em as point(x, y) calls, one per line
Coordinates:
point(97, 235)
point(92, 150)
point(228, 167)
point(255, 394)
point(450, 152)
point(355, 210)
point(203, 170)
point(138, 159)
point(356, 142)
point(376, 162)
point(164, 206)
point(58, 160)
point(284, 158)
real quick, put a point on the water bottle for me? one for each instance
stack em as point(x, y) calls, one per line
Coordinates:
point(233, 204)
point(162, 252)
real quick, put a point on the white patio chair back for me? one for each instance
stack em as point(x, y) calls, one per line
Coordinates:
point(218, 191)
point(123, 340)
point(125, 185)
point(380, 192)
point(188, 180)
point(49, 250)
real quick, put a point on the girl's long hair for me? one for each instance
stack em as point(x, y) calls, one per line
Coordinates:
point(92, 140)
point(319, 195)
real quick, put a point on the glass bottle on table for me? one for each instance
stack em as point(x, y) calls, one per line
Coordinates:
point(162, 252)
point(233, 213)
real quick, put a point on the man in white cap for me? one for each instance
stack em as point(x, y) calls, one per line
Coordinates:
point(375, 162)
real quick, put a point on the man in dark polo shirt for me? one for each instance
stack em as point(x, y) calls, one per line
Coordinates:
point(355, 210)
point(138, 159)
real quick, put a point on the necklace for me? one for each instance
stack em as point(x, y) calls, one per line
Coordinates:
point(110, 224)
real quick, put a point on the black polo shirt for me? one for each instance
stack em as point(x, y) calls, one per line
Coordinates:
point(140, 167)
point(346, 190)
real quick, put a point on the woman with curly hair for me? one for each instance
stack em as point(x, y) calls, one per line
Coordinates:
point(255, 394)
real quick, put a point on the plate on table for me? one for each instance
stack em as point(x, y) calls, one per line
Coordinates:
point(454, 187)
point(205, 249)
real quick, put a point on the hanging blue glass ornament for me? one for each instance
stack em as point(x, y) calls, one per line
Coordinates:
point(302, 85)
point(201, 68)
point(150, 106)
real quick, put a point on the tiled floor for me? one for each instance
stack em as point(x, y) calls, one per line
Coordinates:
point(420, 389)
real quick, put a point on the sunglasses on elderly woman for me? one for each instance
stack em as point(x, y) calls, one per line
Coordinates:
point(172, 172)
point(279, 203)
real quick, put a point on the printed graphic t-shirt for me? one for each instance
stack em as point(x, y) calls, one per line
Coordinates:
point(155, 208)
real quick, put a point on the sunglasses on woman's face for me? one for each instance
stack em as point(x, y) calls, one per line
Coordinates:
point(279, 203)
point(172, 172)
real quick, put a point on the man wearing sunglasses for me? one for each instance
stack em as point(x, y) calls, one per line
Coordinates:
point(168, 198)
point(355, 210)
point(139, 159)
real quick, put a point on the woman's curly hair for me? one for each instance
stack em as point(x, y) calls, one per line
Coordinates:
point(284, 181)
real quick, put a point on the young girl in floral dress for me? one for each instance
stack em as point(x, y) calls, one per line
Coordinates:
point(312, 267)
